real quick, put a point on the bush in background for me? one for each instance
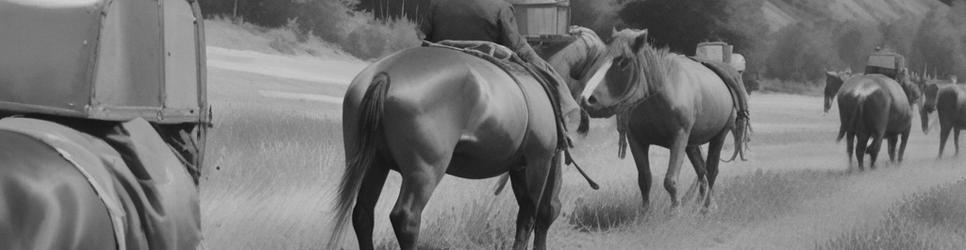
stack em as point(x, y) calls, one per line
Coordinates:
point(800, 52)
point(356, 32)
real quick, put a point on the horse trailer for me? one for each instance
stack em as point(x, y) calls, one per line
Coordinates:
point(540, 19)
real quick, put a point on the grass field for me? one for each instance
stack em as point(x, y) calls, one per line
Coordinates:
point(272, 172)
point(273, 164)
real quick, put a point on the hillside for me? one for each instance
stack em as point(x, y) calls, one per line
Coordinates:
point(781, 13)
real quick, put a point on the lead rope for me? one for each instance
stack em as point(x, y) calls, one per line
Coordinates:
point(570, 160)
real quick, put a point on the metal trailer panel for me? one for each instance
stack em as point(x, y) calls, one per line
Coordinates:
point(537, 18)
point(103, 59)
point(129, 58)
point(180, 54)
point(717, 51)
point(46, 56)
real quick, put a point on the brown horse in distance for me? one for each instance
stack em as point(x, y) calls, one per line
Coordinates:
point(429, 111)
point(663, 99)
point(949, 102)
point(872, 108)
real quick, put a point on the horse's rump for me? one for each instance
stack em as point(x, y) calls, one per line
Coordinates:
point(732, 79)
point(516, 68)
point(869, 103)
point(150, 198)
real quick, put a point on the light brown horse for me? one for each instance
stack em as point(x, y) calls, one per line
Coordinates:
point(428, 111)
point(663, 99)
point(949, 102)
point(875, 107)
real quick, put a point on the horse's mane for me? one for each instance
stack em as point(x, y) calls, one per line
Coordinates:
point(652, 65)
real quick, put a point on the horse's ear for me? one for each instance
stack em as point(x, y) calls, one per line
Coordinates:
point(640, 41)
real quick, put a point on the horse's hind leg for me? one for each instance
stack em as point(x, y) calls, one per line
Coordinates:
point(849, 145)
point(956, 139)
point(904, 137)
point(419, 180)
point(362, 214)
point(549, 205)
point(943, 135)
point(714, 153)
point(701, 182)
point(539, 184)
point(892, 139)
point(525, 215)
point(874, 149)
point(860, 146)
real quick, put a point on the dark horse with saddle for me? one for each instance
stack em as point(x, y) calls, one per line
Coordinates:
point(467, 109)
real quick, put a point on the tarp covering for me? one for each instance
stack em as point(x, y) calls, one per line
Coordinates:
point(152, 200)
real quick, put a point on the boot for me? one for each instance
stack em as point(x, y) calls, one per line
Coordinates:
point(569, 109)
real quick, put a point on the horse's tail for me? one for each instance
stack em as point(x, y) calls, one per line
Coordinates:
point(742, 135)
point(853, 118)
point(500, 184)
point(584, 126)
point(368, 132)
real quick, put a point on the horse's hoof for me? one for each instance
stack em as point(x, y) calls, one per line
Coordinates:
point(674, 211)
point(708, 210)
point(645, 209)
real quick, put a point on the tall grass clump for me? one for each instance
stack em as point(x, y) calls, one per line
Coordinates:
point(935, 219)
point(607, 209)
point(766, 195)
point(487, 223)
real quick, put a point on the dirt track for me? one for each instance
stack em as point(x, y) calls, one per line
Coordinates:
point(276, 153)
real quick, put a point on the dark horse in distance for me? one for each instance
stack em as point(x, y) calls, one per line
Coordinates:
point(949, 102)
point(872, 107)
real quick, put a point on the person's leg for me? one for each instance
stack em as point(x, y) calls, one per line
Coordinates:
point(569, 108)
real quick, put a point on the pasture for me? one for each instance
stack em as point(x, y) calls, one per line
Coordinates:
point(273, 165)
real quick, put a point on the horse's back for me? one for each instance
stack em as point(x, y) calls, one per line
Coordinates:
point(712, 101)
point(47, 202)
point(694, 95)
point(446, 102)
point(875, 103)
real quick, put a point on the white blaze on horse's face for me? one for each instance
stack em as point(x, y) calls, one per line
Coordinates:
point(595, 80)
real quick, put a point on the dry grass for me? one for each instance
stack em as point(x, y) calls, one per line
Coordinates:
point(262, 167)
point(935, 219)
point(610, 210)
point(271, 172)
